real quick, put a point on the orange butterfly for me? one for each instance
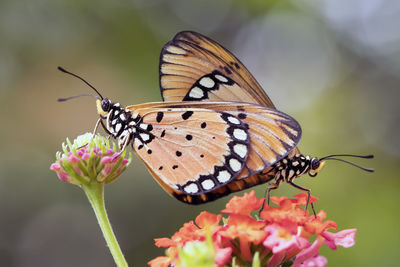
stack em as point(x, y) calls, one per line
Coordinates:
point(198, 151)
point(196, 68)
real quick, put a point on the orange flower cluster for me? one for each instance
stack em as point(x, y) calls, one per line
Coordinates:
point(281, 235)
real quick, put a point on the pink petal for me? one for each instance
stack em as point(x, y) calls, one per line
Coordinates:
point(279, 244)
point(63, 176)
point(55, 167)
point(73, 158)
point(301, 242)
point(222, 256)
point(106, 170)
point(345, 238)
point(85, 156)
point(276, 259)
point(309, 252)
point(317, 261)
point(106, 159)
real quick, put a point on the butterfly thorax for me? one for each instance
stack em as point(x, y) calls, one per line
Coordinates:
point(125, 125)
point(291, 167)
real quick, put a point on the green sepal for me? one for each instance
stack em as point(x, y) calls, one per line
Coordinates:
point(91, 167)
point(256, 260)
point(67, 166)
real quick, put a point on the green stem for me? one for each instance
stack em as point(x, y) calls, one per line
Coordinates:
point(95, 193)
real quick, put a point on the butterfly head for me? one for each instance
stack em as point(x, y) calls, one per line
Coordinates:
point(315, 167)
point(103, 106)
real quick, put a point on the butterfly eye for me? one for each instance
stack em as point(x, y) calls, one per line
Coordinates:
point(315, 163)
point(105, 104)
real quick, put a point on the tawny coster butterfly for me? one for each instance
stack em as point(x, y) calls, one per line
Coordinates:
point(217, 133)
point(195, 68)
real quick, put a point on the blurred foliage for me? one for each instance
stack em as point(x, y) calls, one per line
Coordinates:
point(333, 65)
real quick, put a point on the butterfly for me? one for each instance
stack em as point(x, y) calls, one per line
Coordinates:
point(195, 68)
point(198, 150)
point(217, 132)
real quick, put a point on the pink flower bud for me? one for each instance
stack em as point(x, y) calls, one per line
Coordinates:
point(75, 165)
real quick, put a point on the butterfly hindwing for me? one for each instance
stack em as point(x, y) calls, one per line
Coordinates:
point(196, 68)
point(192, 150)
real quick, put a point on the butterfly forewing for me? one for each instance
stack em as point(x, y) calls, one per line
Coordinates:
point(195, 68)
point(192, 150)
point(272, 134)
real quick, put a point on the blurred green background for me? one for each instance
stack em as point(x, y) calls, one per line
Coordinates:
point(334, 65)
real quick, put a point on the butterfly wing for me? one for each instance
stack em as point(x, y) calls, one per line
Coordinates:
point(196, 68)
point(192, 150)
point(193, 156)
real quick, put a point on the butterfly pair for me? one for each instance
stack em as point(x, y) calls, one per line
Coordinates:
point(216, 132)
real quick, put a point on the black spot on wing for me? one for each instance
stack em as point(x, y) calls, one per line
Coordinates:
point(227, 70)
point(242, 116)
point(187, 115)
point(160, 116)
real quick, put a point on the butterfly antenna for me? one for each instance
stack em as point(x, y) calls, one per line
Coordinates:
point(332, 157)
point(75, 96)
point(349, 155)
point(80, 78)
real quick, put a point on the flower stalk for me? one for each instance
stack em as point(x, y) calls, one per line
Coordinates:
point(90, 162)
point(95, 194)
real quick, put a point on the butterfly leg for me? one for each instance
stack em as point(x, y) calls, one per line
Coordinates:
point(267, 196)
point(96, 126)
point(124, 145)
point(105, 128)
point(308, 196)
point(94, 132)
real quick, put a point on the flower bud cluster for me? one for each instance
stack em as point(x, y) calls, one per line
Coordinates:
point(89, 158)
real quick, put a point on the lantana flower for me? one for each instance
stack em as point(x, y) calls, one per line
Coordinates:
point(91, 162)
point(89, 157)
point(284, 234)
